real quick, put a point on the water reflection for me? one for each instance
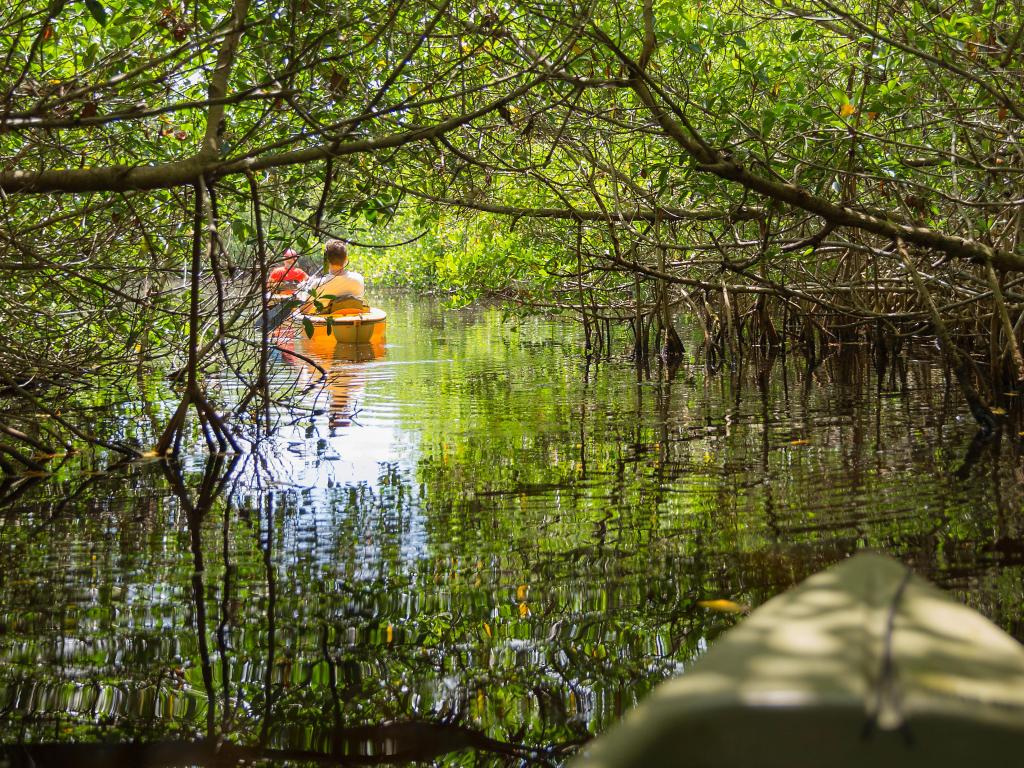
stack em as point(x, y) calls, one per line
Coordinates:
point(339, 365)
point(474, 538)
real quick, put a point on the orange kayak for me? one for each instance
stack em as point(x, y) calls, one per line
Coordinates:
point(367, 327)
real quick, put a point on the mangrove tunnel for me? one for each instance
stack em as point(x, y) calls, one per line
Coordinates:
point(685, 301)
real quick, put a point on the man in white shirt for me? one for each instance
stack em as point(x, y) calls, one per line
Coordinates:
point(338, 284)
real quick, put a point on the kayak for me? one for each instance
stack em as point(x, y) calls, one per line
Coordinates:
point(273, 299)
point(864, 664)
point(367, 327)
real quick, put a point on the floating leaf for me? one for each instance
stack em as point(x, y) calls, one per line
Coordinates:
point(799, 442)
point(997, 411)
point(723, 606)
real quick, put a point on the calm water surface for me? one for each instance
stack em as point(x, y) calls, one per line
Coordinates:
point(469, 547)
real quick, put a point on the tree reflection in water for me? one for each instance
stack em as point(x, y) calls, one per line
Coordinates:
point(515, 558)
point(253, 717)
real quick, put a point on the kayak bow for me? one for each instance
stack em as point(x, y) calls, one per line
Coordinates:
point(864, 664)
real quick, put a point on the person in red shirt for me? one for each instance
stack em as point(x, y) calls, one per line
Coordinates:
point(285, 279)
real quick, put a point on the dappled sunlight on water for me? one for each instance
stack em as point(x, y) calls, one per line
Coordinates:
point(472, 532)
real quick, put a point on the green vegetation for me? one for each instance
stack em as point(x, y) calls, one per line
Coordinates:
point(751, 199)
point(805, 171)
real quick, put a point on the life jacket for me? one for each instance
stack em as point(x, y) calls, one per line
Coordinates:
point(286, 275)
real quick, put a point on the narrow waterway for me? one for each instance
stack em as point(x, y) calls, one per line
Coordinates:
point(471, 545)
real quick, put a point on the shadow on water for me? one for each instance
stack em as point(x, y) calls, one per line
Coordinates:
point(473, 540)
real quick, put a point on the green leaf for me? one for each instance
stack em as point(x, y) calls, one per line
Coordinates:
point(307, 324)
point(98, 12)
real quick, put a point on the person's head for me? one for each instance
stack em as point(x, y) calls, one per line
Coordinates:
point(336, 254)
point(289, 257)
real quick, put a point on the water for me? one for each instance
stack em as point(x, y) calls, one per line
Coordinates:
point(470, 547)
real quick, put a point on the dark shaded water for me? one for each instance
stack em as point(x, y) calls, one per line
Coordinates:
point(476, 540)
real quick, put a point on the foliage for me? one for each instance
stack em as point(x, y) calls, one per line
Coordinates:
point(618, 162)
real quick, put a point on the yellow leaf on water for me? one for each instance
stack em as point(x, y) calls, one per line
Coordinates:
point(487, 629)
point(799, 442)
point(524, 610)
point(391, 634)
point(999, 411)
point(722, 606)
point(521, 591)
point(846, 110)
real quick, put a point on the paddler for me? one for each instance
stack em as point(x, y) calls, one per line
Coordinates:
point(339, 285)
point(285, 279)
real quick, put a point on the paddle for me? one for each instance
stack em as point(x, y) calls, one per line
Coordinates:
point(278, 314)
